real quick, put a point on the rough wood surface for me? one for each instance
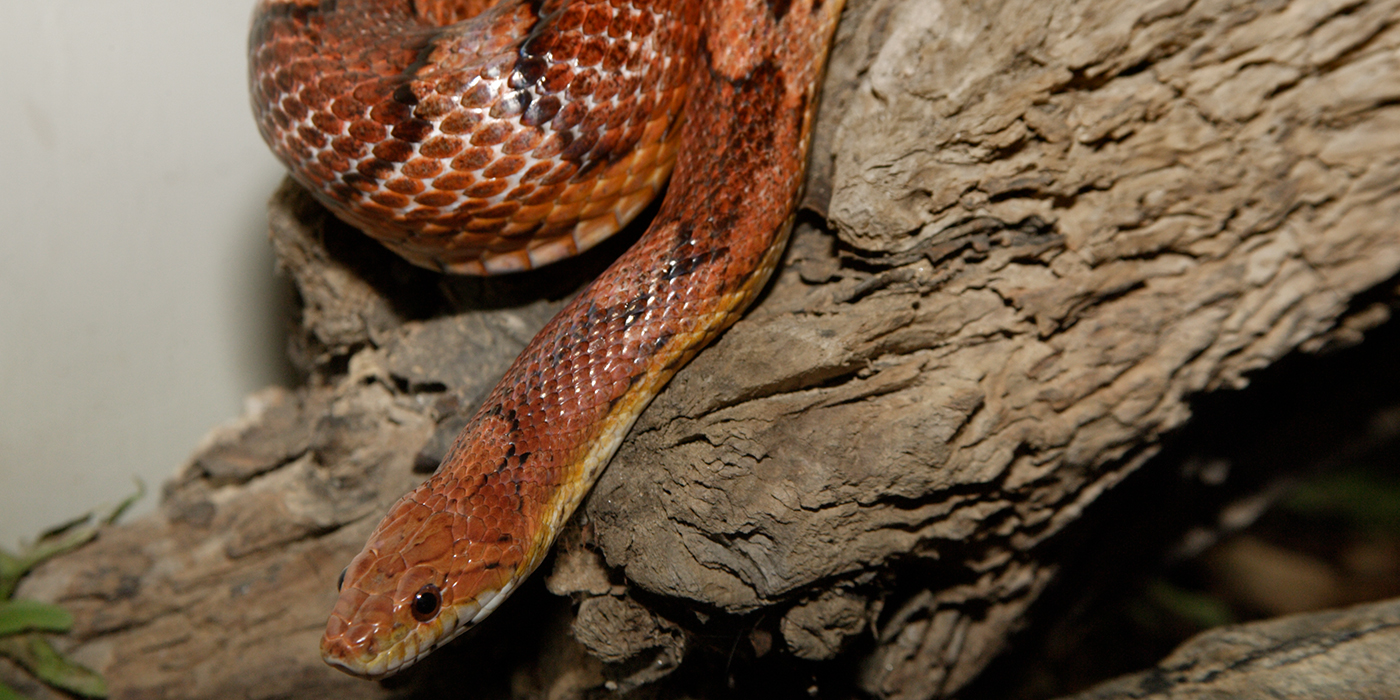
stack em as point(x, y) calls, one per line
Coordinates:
point(1299, 656)
point(1054, 223)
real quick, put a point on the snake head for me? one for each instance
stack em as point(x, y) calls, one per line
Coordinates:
point(425, 577)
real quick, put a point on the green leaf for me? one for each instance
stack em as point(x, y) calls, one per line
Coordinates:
point(63, 538)
point(1202, 610)
point(36, 655)
point(126, 503)
point(46, 549)
point(1365, 499)
point(8, 693)
point(11, 569)
point(31, 615)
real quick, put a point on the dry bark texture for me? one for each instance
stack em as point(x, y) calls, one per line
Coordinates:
point(1055, 222)
point(1300, 656)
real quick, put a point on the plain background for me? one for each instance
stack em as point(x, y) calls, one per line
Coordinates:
point(138, 303)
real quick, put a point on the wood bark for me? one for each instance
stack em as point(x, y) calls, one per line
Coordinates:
point(1299, 656)
point(1040, 229)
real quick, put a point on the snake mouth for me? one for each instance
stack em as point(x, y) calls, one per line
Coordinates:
point(364, 655)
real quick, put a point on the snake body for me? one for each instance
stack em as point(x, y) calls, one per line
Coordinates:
point(475, 137)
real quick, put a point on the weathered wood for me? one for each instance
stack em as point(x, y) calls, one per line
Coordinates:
point(1055, 223)
point(1336, 654)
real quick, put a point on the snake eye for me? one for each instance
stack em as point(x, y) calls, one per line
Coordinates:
point(340, 582)
point(426, 603)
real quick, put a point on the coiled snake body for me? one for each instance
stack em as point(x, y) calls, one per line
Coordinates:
point(475, 138)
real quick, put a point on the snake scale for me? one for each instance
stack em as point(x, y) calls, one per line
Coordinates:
point(479, 137)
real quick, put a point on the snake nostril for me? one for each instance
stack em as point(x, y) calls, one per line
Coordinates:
point(340, 582)
point(426, 603)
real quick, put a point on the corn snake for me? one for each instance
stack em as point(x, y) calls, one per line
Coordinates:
point(480, 138)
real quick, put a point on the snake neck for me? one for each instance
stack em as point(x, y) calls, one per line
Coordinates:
point(448, 552)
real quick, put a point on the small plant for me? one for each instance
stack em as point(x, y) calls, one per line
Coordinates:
point(23, 623)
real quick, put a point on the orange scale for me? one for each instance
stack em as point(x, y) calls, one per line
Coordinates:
point(643, 24)
point(454, 181)
point(515, 229)
point(668, 152)
point(433, 107)
point(348, 147)
point(535, 172)
point(422, 168)
point(461, 122)
point(615, 57)
point(507, 245)
point(578, 192)
point(374, 168)
point(372, 92)
point(459, 219)
point(490, 188)
point(483, 225)
point(478, 96)
point(298, 149)
point(516, 232)
point(571, 18)
point(373, 210)
point(348, 108)
point(638, 183)
point(375, 607)
point(545, 195)
point(313, 97)
point(607, 89)
point(312, 137)
point(607, 188)
point(522, 142)
point(584, 83)
point(393, 150)
point(468, 583)
point(422, 214)
point(389, 199)
point(294, 108)
point(562, 173)
point(344, 192)
point(597, 117)
point(441, 147)
point(319, 173)
point(520, 193)
point(492, 134)
point(466, 246)
point(595, 209)
point(436, 198)
point(552, 146)
point(403, 185)
point(622, 23)
point(621, 168)
point(565, 213)
point(532, 214)
point(390, 112)
point(504, 167)
point(598, 19)
point(473, 159)
point(327, 123)
point(501, 210)
point(632, 135)
point(452, 82)
point(557, 77)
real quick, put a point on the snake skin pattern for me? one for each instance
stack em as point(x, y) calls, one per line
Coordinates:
point(477, 139)
point(524, 136)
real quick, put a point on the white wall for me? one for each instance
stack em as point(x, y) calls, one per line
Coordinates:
point(137, 301)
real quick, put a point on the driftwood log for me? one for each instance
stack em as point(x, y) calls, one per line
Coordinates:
point(1040, 228)
point(1300, 656)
